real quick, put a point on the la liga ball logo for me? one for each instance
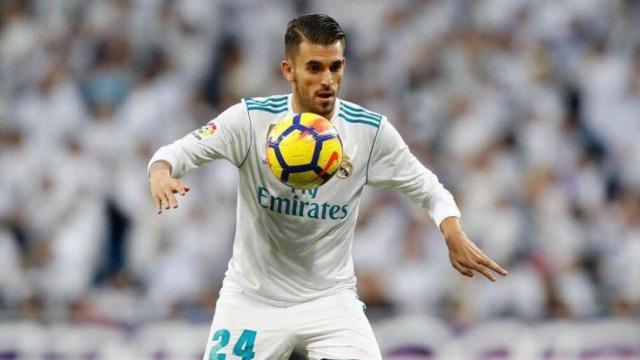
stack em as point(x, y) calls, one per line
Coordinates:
point(206, 131)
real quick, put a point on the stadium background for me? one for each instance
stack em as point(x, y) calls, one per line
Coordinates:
point(529, 111)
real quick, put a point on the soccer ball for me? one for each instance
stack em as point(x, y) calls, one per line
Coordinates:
point(304, 150)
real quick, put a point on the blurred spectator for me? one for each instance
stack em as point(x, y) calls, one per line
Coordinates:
point(528, 110)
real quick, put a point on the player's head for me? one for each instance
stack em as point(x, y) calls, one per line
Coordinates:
point(314, 63)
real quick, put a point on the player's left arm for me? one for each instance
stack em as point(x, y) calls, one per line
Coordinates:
point(392, 165)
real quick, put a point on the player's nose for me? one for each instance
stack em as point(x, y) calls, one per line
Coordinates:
point(327, 78)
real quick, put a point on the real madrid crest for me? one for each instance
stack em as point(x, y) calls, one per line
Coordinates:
point(345, 169)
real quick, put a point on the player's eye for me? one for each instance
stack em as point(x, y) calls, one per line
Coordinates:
point(313, 68)
point(336, 67)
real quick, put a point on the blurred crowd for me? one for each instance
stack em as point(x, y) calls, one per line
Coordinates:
point(528, 111)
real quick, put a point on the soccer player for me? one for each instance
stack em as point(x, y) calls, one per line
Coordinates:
point(290, 282)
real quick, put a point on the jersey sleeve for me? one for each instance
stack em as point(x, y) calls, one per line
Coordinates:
point(228, 136)
point(392, 165)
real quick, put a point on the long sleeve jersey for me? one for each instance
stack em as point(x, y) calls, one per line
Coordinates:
point(293, 245)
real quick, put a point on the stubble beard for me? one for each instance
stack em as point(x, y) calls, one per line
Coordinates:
point(309, 106)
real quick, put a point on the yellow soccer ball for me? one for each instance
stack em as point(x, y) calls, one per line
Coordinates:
point(304, 150)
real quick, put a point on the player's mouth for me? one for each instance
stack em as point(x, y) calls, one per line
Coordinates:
point(325, 96)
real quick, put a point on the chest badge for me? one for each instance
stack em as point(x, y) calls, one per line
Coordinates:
point(345, 169)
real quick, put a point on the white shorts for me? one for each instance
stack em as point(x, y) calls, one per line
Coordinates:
point(332, 327)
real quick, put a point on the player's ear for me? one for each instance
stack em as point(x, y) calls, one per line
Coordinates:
point(287, 69)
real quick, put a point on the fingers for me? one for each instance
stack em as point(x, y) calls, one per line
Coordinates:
point(163, 194)
point(485, 272)
point(172, 202)
point(482, 265)
point(461, 269)
point(166, 202)
point(158, 203)
point(181, 189)
point(493, 266)
point(466, 257)
point(161, 201)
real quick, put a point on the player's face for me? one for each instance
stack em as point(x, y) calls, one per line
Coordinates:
point(315, 73)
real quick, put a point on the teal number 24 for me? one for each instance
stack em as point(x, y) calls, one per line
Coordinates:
point(243, 347)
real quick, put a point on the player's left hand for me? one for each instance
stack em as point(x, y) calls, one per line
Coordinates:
point(465, 256)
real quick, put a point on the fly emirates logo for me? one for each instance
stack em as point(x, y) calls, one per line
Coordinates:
point(296, 206)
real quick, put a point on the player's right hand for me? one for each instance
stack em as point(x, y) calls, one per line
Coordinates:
point(163, 187)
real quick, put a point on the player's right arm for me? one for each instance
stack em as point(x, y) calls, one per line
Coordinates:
point(228, 136)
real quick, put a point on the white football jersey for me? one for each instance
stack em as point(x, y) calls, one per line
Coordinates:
point(293, 245)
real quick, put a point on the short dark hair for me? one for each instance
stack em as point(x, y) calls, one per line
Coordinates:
point(317, 28)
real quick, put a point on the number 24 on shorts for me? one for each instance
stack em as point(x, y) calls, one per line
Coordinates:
point(243, 348)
